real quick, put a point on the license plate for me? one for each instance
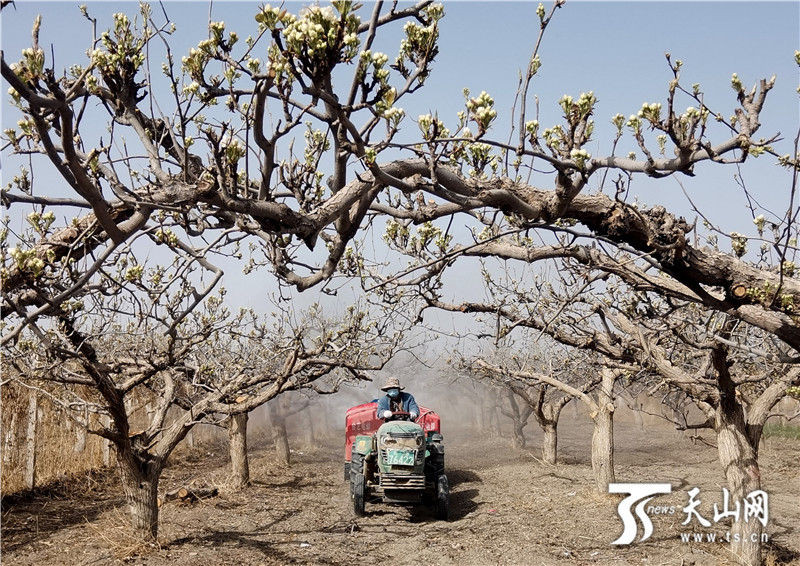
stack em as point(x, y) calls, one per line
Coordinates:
point(400, 457)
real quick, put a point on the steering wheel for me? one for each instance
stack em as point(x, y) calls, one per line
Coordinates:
point(399, 416)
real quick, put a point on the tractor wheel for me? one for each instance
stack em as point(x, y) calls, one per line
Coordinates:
point(357, 488)
point(347, 471)
point(356, 469)
point(442, 498)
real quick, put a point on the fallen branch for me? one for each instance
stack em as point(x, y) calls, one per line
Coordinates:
point(187, 495)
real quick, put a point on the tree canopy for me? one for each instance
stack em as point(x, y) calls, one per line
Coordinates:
point(211, 145)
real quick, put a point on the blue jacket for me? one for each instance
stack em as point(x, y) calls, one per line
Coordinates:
point(405, 403)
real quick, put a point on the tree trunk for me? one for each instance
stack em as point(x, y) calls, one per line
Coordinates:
point(30, 442)
point(106, 420)
point(9, 442)
point(550, 442)
point(738, 454)
point(140, 484)
point(678, 417)
point(491, 422)
point(237, 445)
point(308, 433)
point(519, 419)
point(603, 435)
point(279, 434)
point(80, 440)
point(637, 415)
point(480, 418)
point(282, 450)
point(518, 434)
point(80, 433)
point(740, 464)
point(603, 448)
point(549, 415)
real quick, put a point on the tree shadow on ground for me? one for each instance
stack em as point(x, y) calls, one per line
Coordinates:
point(461, 504)
point(36, 515)
point(252, 543)
point(293, 483)
point(228, 536)
point(778, 554)
point(457, 477)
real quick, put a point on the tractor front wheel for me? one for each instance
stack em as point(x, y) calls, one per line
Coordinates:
point(357, 487)
point(442, 498)
point(355, 467)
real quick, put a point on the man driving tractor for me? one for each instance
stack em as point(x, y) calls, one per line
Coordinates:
point(399, 460)
point(396, 400)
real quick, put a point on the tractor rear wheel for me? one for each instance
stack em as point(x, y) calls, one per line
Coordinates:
point(442, 498)
point(357, 487)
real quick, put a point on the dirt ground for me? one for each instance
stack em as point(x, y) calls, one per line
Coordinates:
point(506, 507)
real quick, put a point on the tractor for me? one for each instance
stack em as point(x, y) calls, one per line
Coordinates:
point(397, 461)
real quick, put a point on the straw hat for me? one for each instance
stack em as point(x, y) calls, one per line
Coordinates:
point(392, 383)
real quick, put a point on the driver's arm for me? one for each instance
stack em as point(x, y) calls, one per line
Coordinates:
point(412, 405)
point(383, 405)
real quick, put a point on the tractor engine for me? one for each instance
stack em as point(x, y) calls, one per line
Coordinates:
point(401, 461)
